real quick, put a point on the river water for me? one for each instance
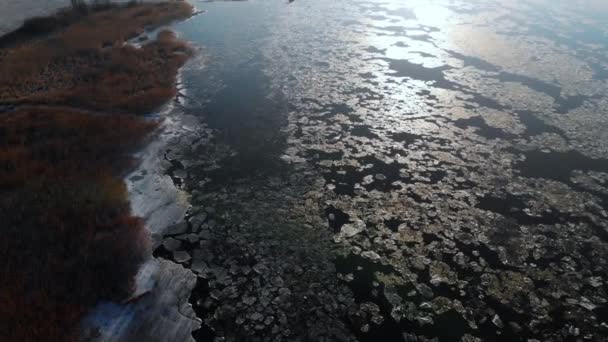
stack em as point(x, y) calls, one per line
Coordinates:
point(396, 170)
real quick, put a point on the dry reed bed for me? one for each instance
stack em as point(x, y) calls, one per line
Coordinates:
point(87, 65)
point(69, 239)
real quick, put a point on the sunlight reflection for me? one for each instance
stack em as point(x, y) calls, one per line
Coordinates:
point(433, 15)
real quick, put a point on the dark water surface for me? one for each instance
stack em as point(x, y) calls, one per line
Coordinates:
point(397, 170)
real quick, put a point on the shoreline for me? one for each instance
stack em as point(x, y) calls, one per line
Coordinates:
point(158, 303)
point(20, 11)
point(158, 308)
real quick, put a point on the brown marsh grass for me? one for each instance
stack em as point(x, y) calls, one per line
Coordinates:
point(69, 239)
point(88, 65)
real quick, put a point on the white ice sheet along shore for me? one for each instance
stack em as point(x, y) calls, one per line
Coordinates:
point(163, 312)
point(152, 194)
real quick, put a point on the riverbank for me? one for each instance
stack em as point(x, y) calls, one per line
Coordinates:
point(72, 97)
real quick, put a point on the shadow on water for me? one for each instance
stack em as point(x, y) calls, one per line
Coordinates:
point(249, 120)
point(336, 218)
point(366, 289)
point(536, 126)
point(405, 68)
point(513, 207)
point(558, 165)
point(483, 128)
point(563, 104)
